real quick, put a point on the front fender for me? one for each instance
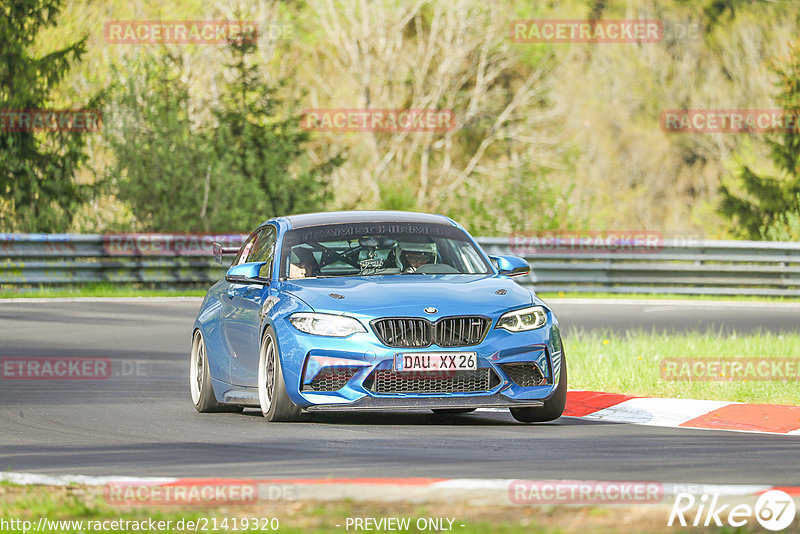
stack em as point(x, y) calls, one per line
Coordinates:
point(209, 324)
point(291, 355)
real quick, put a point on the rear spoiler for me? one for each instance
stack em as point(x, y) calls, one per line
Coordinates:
point(219, 251)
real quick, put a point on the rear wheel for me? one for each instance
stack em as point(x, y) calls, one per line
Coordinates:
point(453, 411)
point(275, 403)
point(553, 407)
point(200, 380)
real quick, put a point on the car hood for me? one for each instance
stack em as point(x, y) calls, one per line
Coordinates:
point(409, 295)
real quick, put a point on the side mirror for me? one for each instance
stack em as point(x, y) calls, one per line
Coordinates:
point(247, 273)
point(511, 265)
point(218, 251)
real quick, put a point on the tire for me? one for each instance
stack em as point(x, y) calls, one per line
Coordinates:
point(275, 403)
point(553, 407)
point(200, 380)
point(452, 411)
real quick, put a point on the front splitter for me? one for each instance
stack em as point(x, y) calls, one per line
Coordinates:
point(434, 403)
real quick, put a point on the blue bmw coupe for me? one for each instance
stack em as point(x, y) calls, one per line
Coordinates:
point(374, 310)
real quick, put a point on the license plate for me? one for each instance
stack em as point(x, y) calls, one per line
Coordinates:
point(436, 361)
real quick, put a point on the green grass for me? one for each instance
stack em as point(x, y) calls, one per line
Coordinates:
point(80, 503)
point(100, 290)
point(144, 290)
point(70, 503)
point(664, 296)
point(86, 503)
point(629, 363)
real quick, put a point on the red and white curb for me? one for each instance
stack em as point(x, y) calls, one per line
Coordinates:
point(684, 413)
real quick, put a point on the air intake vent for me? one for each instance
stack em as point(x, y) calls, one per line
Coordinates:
point(331, 379)
point(524, 374)
point(388, 381)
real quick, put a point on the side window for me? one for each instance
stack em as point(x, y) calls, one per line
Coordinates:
point(264, 249)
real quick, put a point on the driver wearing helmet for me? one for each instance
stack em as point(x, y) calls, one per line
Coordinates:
point(303, 264)
point(415, 255)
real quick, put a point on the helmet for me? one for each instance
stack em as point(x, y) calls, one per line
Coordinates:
point(305, 256)
point(412, 255)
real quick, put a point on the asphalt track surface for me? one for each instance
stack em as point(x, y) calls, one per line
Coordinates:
point(140, 421)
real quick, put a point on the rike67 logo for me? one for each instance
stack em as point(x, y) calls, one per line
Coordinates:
point(774, 510)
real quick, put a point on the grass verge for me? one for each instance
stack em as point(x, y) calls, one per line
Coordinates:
point(199, 290)
point(631, 363)
point(87, 510)
point(101, 290)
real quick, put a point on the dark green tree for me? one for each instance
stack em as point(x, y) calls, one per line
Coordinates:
point(37, 168)
point(183, 174)
point(260, 140)
point(162, 161)
point(759, 200)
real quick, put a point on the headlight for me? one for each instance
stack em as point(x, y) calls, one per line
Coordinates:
point(325, 324)
point(524, 319)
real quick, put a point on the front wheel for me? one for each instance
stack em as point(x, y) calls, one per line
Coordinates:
point(275, 403)
point(553, 407)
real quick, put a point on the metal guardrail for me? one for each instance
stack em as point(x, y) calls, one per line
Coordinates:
point(57, 259)
point(670, 266)
point(704, 267)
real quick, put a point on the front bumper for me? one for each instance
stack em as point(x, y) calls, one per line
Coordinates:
point(362, 356)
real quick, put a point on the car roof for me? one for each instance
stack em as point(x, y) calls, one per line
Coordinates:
point(344, 217)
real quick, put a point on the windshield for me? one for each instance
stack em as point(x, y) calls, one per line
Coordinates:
point(365, 249)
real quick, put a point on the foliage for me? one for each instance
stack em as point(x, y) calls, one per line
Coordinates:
point(531, 203)
point(263, 150)
point(785, 227)
point(38, 191)
point(161, 160)
point(767, 198)
point(428, 56)
point(224, 173)
point(563, 135)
